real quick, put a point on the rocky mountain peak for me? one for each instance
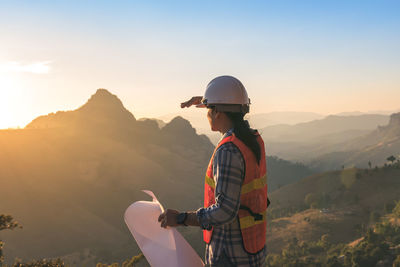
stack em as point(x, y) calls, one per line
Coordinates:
point(103, 99)
point(102, 108)
point(104, 103)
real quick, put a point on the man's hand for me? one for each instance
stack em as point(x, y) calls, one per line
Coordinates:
point(193, 101)
point(169, 218)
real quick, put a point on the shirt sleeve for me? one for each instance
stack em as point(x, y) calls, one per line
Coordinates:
point(228, 171)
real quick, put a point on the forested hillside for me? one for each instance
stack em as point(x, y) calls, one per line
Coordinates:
point(340, 204)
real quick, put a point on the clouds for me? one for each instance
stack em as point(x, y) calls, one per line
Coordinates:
point(40, 67)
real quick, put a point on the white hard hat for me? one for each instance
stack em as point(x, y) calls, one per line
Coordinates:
point(226, 93)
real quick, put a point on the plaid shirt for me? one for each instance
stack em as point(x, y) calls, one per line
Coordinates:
point(228, 171)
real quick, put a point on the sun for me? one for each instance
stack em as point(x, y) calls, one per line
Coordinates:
point(11, 93)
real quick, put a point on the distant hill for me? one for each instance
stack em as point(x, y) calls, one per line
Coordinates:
point(381, 112)
point(257, 121)
point(262, 120)
point(350, 113)
point(375, 146)
point(309, 131)
point(306, 141)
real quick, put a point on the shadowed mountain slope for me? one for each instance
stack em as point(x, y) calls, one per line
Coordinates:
point(69, 176)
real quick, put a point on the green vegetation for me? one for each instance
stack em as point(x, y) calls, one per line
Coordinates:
point(396, 210)
point(337, 189)
point(396, 263)
point(317, 200)
point(41, 263)
point(127, 263)
point(344, 204)
point(7, 222)
point(381, 243)
point(277, 212)
point(391, 159)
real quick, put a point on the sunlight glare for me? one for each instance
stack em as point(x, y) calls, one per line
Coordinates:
point(10, 101)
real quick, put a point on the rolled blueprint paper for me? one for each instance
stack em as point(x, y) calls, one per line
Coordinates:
point(161, 247)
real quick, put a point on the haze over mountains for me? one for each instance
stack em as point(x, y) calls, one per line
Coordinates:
point(323, 129)
point(374, 147)
point(198, 119)
point(258, 120)
point(306, 141)
point(325, 143)
point(322, 143)
point(280, 122)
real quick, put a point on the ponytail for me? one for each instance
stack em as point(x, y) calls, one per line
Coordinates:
point(242, 130)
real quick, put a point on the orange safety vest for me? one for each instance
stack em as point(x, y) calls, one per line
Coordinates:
point(253, 196)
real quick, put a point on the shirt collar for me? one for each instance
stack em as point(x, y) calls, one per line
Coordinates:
point(228, 133)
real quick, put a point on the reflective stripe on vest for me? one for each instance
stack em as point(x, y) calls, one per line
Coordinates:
point(253, 196)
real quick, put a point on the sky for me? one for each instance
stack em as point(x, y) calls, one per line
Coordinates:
point(315, 56)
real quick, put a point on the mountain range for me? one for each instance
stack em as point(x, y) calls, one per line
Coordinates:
point(258, 120)
point(308, 141)
point(319, 142)
point(374, 147)
point(68, 176)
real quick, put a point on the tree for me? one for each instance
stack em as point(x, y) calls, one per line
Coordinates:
point(391, 159)
point(396, 210)
point(388, 207)
point(369, 164)
point(310, 199)
point(41, 263)
point(396, 263)
point(374, 217)
point(127, 263)
point(6, 222)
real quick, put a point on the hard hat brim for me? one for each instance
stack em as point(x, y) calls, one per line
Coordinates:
point(201, 106)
